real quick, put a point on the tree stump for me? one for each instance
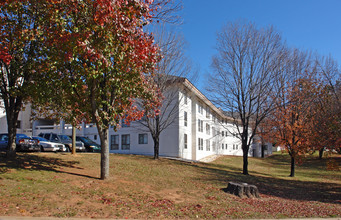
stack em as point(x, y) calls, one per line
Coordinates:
point(242, 189)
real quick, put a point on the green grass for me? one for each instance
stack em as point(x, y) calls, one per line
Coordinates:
point(63, 185)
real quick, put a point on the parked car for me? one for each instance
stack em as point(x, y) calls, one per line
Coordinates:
point(63, 139)
point(89, 144)
point(23, 143)
point(46, 145)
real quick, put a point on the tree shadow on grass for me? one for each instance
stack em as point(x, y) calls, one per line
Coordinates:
point(39, 162)
point(272, 186)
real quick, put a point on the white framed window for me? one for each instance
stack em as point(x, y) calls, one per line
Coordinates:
point(200, 125)
point(185, 141)
point(214, 146)
point(208, 148)
point(185, 99)
point(208, 129)
point(222, 146)
point(143, 138)
point(208, 112)
point(200, 108)
point(185, 119)
point(200, 144)
point(125, 145)
point(114, 142)
point(213, 131)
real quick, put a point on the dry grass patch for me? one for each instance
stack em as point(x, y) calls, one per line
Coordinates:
point(63, 185)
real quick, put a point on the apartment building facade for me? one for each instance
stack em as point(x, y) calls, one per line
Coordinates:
point(199, 130)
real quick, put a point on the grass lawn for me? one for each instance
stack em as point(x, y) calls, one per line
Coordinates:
point(63, 185)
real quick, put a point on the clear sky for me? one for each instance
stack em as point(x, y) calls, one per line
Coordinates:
point(305, 24)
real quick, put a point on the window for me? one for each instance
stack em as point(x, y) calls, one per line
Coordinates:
point(222, 133)
point(208, 148)
point(185, 99)
point(95, 137)
point(200, 125)
point(214, 146)
point(213, 131)
point(208, 129)
point(125, 142)
point(54, 137)
point(143, 138)
point(114, 142)
point(185, 119)
point(222, 146)
point(225, 146)
point(200, 144)
point(200, 109)
point(208, 112)
point(233, 147)
point(185, 141)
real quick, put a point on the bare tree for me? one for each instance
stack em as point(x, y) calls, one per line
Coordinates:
point(168, 11)
point(245, 72)
point(170, 71)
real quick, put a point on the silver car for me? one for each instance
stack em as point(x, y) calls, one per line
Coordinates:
point(46, 145)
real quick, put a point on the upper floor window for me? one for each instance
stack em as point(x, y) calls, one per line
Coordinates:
point(200, 125)
point(185, 119)
point(185, 99)
point(200, 108)
point(208, 129)
point(208, 112)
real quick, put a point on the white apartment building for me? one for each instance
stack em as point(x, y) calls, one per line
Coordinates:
point(199, 130)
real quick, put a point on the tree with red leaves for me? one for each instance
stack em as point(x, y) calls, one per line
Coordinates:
point(101, 60)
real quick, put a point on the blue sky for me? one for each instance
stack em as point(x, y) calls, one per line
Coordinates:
point(305, 24)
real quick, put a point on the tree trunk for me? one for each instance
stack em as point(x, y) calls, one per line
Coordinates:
point(245, 158)
point(73, 140)
point(103, 134)
point(12, 112)
point(156, 147)
point(321, 153)
point(292, 171)
point(11, 145)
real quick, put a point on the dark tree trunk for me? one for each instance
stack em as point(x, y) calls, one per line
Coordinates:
point(156, 147)
point(245, 158)
point(321, 153)
point(73, 139)
point(11, 147)
point(103, 134)
point(292, 170)
point(12, 107)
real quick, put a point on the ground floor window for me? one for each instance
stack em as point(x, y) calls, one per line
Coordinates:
point(208, 148)
point(143, 138)
point(125, 142)
point(114, 142)
point(185, 141)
